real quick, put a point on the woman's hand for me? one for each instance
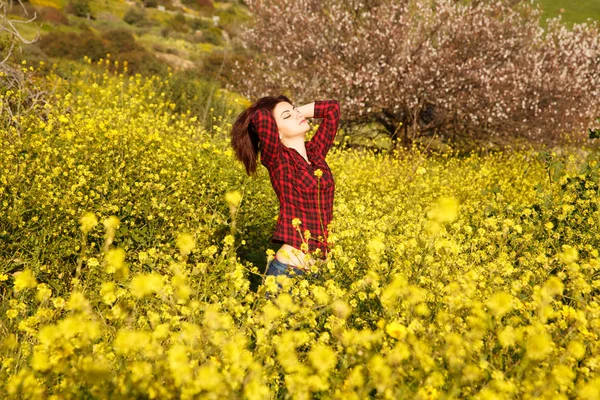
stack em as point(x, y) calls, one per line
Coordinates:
point(307, 110)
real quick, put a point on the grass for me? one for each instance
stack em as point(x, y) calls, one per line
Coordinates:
point(573, 11)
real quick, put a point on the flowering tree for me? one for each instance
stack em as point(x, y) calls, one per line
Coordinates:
point(482, 70)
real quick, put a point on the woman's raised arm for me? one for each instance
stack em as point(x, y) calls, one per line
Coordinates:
point(329, 110)
point(266, 128)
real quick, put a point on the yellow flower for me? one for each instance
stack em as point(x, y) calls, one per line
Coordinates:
point(229, 240)
point(24, 280)
point(318, 173)
point(87, 222)
point(375, 247)
point(179, 363)
point(11, 313)
point(92, 262)
point(320, 295)
point(563, 375)
point(446, 209)
point(127, 342)
point(577, 349)
point(77, 301)
point(569, 254)
point(500, 303)
point(233, 198)
point(296, 222)
point(40, 360)
point(539, 345)
point(341, 309)
point(553, 286)
point(590, 390)
point(186, 243)
point(145, 284)
point(322, 358)
point(396, 330)
point(107, 291)
point(43, 292)
point(208, 378)
point(111, 223)
point(115, 258)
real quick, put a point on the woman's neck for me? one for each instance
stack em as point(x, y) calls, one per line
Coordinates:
point(298, 144)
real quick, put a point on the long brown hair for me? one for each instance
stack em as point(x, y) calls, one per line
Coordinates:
point(244, 138)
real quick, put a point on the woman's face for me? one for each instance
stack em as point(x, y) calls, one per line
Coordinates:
point(290, 122)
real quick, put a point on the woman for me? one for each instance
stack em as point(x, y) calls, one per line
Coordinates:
point(274, 128)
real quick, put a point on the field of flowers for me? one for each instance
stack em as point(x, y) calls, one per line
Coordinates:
point(125, 235)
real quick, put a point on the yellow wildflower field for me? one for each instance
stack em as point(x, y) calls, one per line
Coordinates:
point(125, 235)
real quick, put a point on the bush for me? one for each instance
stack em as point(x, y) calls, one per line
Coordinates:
point(73, 45)
point(150, 3)
point(53, 16)
point(221, 64)
point(178, 23)
point(136, 16)
point(80, 8)
point(212, 35)
point(120, 41)
point(195, 91)
point(142, 62)
point(200, 24)
point(168, 5)
point(204, 7)
point(233, 18)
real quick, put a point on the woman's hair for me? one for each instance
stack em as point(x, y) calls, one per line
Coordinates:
point(244, 138)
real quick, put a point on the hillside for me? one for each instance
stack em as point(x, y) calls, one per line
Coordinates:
point(183, 34)
point(189, 35)
point(572, 11)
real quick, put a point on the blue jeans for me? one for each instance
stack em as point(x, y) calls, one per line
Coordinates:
point(277, 268)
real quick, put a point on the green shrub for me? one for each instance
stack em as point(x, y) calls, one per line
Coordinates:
point(141, 62)
point(80, 8)
point(219, 64)
point(167, 4)
point(120, 41)
point(53, 16)
point(194, 91)
point(213, 35)
point(199, 24)
point(150, 3)
point(232, 18)
point(595, 133)
point(178, 23)
point(136, 16)
point(73, 45)
point(199, 3)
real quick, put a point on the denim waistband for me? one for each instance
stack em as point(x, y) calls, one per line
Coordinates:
point(277, 267)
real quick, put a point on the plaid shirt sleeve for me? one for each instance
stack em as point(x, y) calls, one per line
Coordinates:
point(329, 110)
point(266, 128)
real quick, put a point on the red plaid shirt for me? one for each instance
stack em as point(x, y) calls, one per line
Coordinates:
point(301, 193)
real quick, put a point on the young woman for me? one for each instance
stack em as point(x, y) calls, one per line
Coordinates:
point(275, 129)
